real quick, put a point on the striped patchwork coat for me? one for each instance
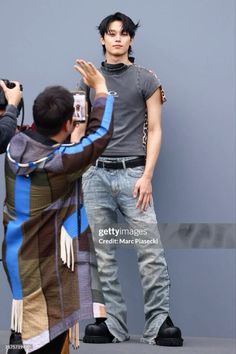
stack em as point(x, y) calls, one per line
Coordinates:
point(48, 253)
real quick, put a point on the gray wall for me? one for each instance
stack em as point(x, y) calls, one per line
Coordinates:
point(191, 46)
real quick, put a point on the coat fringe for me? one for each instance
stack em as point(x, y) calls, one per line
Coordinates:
point(74, 335)
point(17, 315)
point(67, 251)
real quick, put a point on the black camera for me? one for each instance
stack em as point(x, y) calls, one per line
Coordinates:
point(3, 101)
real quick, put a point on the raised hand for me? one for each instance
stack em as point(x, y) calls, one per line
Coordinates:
point(13, 95)
point(91, 76)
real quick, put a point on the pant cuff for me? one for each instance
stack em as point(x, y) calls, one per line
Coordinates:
point(119, 337)
point(151, 334)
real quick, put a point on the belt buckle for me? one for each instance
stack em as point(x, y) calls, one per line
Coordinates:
point(96, 163)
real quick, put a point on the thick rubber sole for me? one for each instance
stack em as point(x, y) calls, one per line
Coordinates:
point(97, 339)
point(169, 342)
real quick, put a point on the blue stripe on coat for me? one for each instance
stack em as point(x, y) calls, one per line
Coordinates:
point(14, 235)
point(71, 225)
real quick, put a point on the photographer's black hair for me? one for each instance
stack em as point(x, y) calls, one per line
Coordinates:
point(127, 26)
point(51, 109)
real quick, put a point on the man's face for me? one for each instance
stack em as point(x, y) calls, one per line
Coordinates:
point(116, 41)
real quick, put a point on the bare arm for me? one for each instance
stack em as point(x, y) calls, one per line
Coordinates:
point(143, 187)
point(154, 132)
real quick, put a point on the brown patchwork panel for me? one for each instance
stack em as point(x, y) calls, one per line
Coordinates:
point(70, 288)
point(29, 275)
point(35, 310)
point(40, 198)
point(84, 244)
point(58, 185)
point(51, 289)
point(47, 234)
point(30, 228)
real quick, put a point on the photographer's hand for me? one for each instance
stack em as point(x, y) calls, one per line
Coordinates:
point(13, 95)
point(92, 77)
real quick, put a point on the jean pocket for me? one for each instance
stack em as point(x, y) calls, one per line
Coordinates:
point(135, 172)
point(88, 173)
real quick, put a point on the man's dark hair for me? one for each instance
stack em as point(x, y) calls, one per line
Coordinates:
point(51, 109)
point(127, 26)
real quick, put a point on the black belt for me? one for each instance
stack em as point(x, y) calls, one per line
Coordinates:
point(139, 161)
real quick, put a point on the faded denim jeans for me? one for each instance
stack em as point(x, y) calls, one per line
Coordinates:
point(105, 192)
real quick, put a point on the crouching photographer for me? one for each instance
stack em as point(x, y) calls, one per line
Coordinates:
point(10, 106)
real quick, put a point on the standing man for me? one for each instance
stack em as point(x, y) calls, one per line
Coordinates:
point(121, 180)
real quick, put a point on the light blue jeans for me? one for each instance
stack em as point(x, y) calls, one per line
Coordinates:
point(105, 192)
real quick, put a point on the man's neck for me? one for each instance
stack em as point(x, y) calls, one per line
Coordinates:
point(111, 59)
point(60, 137)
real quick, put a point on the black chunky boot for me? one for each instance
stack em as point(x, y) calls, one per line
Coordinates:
point(97, 333)
point(169, 335)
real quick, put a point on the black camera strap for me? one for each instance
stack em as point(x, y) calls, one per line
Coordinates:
point(22, 113)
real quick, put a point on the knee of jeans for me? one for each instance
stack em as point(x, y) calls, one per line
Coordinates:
point(144, 218)
point(147, 216)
